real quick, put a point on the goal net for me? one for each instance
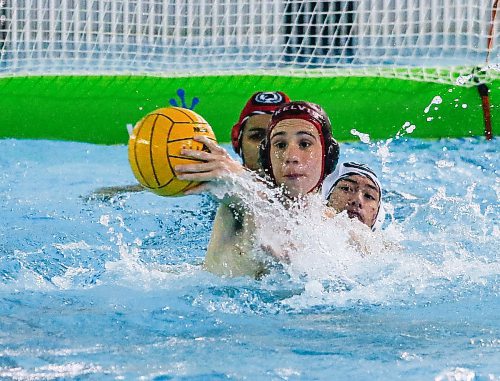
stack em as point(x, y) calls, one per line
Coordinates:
point(423, 40)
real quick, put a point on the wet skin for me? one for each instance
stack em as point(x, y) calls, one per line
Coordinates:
point(254, 132)
point(359, 196)
point(296, 156)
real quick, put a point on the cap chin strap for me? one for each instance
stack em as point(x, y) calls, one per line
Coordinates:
point(380, 219)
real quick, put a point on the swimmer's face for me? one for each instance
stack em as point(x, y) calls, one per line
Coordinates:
point(296, 155)
point(254, 132)
point(359, 196)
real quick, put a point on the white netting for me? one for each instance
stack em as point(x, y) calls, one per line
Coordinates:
point(434, 40)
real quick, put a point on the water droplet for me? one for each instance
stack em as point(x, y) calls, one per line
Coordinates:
point(365, 138)
point(437, 100)
point(411, 129)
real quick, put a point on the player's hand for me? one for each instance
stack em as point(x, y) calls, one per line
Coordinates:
point(216, 164)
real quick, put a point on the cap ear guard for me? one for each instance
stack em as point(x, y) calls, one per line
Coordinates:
point(380, 219)
point(331, 155)
point(235, 137)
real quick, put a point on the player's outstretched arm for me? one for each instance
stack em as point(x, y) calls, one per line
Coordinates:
point(106, 193)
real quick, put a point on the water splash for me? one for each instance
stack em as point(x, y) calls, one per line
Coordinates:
point(339, 261)
point(464, 79)
point(125, 244)
point(408, 128)
point(364, 138)
point(53, 372)
point(437, 100)
point(381, 147)
point(441, 284)
point(456, 374)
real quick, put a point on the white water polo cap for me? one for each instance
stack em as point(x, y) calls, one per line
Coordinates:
point(347, 169)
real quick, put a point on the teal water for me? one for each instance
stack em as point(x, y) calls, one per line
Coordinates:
point(95, 288)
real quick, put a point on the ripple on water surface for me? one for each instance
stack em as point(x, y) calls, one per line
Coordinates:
point(113, 287)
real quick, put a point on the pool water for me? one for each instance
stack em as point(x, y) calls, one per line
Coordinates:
point(105, 288)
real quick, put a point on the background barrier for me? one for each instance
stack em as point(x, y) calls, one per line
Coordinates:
point(83, 69)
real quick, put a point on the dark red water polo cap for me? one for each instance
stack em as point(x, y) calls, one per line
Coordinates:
point(262, 102)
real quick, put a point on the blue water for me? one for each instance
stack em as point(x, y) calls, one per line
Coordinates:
point(96, 288)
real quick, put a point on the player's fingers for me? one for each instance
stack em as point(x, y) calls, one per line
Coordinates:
point(199, 176)
point(195, 154)
point(210, 144)
point(195, 168)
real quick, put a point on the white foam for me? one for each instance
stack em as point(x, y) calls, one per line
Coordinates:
point(340, 261)
point(72, 277)
point(456, 374)
point(131, 271)
point(50, 372)
point(80, 245)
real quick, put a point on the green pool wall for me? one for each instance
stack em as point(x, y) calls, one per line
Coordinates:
point(97, 109)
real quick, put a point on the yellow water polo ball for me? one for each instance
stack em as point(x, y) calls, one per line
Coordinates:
point(154, 148)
